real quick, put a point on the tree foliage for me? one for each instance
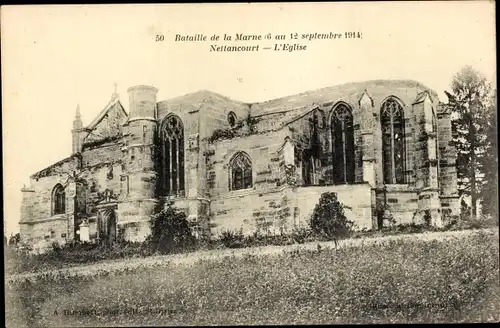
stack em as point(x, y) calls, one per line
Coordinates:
point(328, 217)
point(489, 190)
point(15, 239)
point(471, 114)
point(170, 230)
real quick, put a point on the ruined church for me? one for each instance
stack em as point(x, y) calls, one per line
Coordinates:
point(231, 165)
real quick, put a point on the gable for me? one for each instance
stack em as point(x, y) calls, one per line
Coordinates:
point(108, 124)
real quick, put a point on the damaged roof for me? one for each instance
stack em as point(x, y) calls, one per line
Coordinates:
point(275, 113)
point(406, 90)
point(104, 111)
point(49, 169)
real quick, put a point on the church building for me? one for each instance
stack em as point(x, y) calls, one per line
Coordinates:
point(231, 165)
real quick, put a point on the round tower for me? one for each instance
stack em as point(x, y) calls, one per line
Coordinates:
point(140, 142)
point(142, 101)
point(139, 175)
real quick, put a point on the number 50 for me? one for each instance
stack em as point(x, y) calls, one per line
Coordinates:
point(159, 38)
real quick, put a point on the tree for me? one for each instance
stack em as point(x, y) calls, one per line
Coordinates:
point(469, 101)
point(328, 217)
point(170, 230)
point(489, 192)
point(14, 239)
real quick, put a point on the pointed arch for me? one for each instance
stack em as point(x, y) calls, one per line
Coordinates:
point(240, 171)
point(58, 200)
point(342, 130)
point(172, 150)
point(394, 98)
point(392, 120)
point(231, 119)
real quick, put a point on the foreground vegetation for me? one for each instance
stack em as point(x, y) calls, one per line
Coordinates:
point(172, 233)
point(453, 280)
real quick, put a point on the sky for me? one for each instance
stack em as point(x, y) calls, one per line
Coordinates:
point(55, 57)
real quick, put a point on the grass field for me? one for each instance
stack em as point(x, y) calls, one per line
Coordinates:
point(401, 280)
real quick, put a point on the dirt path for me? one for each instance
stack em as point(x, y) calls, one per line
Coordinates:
point(191, 258)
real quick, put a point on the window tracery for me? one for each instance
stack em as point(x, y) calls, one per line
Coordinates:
point(393, 142)
point(173, 155)
point(241, 172)
point(343, 144)
point(59, 200)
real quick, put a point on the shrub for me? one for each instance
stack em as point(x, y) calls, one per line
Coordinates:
point(232, 239)
point(170, 231)
point(15, 239)
point(302, 235)
point(410, 228)
point(328, 218)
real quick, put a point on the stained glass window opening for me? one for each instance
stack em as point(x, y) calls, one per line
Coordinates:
point(393, 142)
point(173, 156)
point(231, 119)
point(241, 172)
point(343, 145)
point(59, 200)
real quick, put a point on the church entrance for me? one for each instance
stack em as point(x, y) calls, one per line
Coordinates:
point(111, 236)
point(106, 219)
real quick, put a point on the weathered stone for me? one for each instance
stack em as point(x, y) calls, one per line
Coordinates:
point(117, 163)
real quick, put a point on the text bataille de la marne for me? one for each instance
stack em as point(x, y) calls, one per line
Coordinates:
point(240, 37)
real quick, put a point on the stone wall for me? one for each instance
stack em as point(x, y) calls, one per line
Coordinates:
point(250, 210)
point(37, 198)
point(356, 196)
point(281, 209)
point(103, 168)
point(402, 202)
point(42, 234)
point(263, 151)
point(133, 219)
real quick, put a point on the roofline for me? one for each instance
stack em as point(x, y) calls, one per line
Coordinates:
point(103, 112)
point(67, 159)
point(250, 104)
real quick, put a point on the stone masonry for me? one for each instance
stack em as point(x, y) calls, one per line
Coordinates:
point(120, 160)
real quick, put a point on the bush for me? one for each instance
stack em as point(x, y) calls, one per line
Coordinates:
point(328, 218)
point(300, 234)
point(232, 239)
point(170, 231)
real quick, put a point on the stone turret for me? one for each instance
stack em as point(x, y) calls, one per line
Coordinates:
point(77, 132)
point(139, 173)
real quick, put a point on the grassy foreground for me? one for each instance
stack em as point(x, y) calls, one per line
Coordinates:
point(454, 280)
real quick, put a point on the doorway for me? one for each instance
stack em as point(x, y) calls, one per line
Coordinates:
point(111, 227)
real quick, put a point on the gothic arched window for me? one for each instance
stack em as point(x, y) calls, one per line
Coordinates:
point(231, 119)
point(240, 172)
point(58, 200)
point(393, 141)
point(173, 155)
point(343, 144)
